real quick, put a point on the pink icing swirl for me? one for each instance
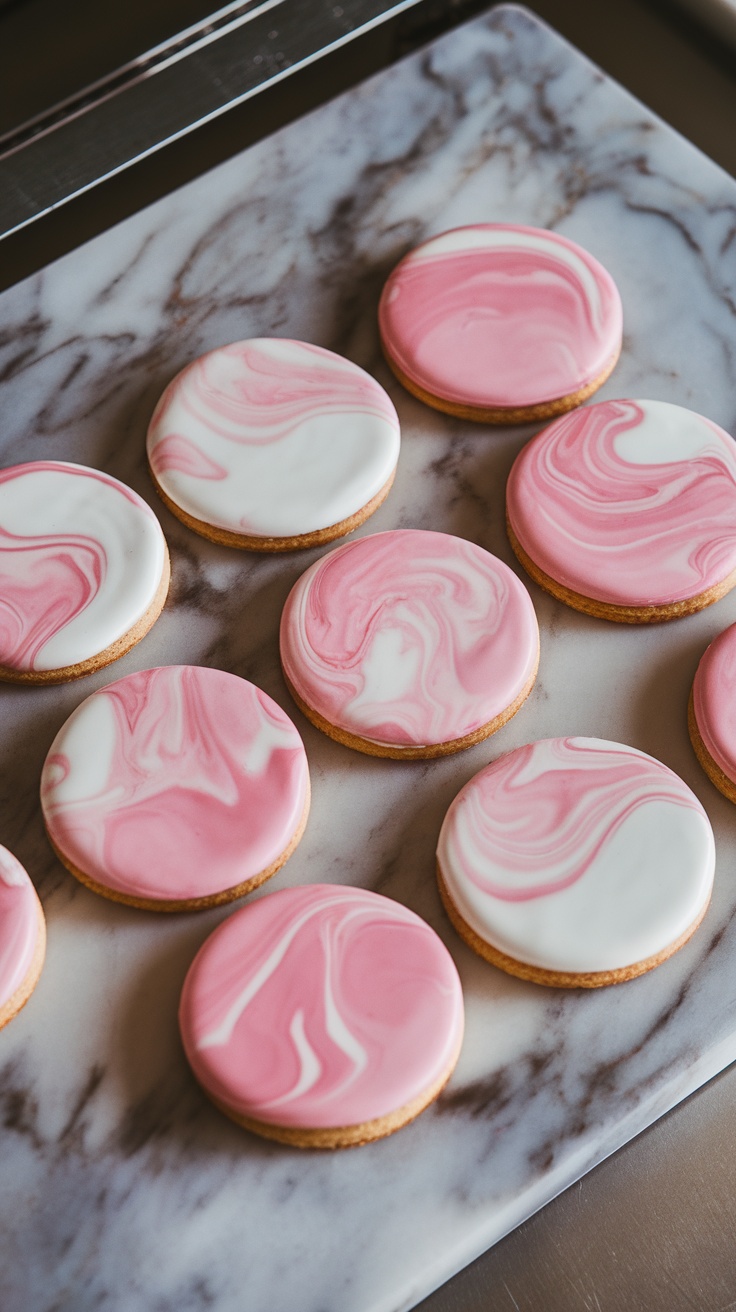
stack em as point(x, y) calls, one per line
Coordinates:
point(546, 820)
point(409, 637)
point(714, 700)
point(81, 558)
point(45, 582)
point(578, 855)
point(273, 437)
point(18, 925)
point(176, 451)
point(321, 1006)
point(500, 315)
point(175, 783)
point(244, 393)
point(628, 502)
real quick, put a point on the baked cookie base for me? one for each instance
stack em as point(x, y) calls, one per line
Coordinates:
point(713, 770)
point(557, 979)
point(604, 610)
point(18, 1000)
point(429, 752)
point(192, 903)
point(343, 1136)
point(503, 414)
point(120, 647)
point(299, 542)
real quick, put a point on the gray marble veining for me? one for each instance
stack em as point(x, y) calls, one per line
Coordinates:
point(120, 1186)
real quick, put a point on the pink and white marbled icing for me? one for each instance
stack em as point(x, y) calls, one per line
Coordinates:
point(81, 560)
point(576, 854)
point(321, 1006)
point(409, 637)
point(175, 783)
point(18, 924)
point(273, 438)
point(714, 700)
point(628, 502)
point(500, 315)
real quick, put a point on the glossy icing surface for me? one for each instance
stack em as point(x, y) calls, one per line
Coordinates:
point(273, 438)
point(81, 560)
point(409, 637)
point(321, 1006)
point(500, 315)
point(714, 700)
point(175, 783)
point(576, 854)
point(18, 924)
point(628, 502)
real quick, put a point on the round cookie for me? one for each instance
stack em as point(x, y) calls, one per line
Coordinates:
point(409, 644)
point(576, 863)
point(176, 788)
point(712, 712)
point(84, 571)
point(322, 1016)
point(626, 510)
point(501, 323)
point(22, 937)
point(272, 445)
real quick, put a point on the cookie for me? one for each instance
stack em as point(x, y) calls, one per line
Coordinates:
point(501, 323)
point(22, 937)
point(273, 445)
point(712, 712)
point(626, 510)
point(322, 1016)
point(175, 789)
point(409, 644)
point(84, 571)
point(576, 863)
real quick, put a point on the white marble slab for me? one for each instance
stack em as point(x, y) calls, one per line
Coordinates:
point(120, 1186)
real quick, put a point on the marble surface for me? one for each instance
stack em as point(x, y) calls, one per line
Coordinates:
point(120, 1185)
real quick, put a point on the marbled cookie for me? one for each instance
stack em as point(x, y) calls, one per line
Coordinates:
point(271, 445)
point(409, 644)
point(501, 323)
point(22, 937)
point(712, 712)
point(84, 571)
point(576, 863)
point(176, 788)
point(322, 1016)
point(626, 510)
